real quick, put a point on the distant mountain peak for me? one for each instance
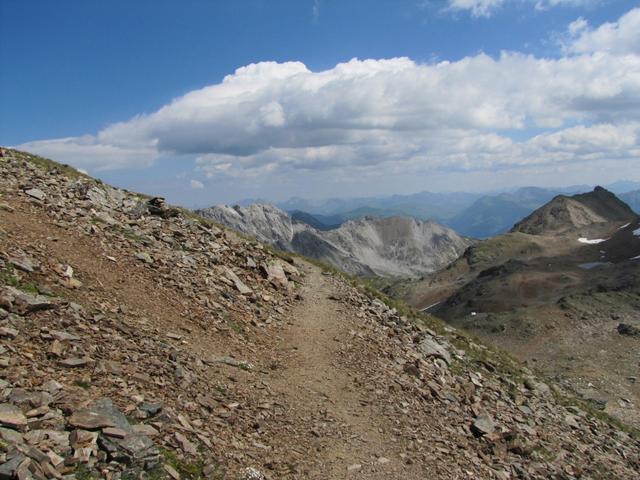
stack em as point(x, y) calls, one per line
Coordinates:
point(565, 213)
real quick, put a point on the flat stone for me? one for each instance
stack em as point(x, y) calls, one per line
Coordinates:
point(429, 347)
point(54, 458)
point(89, 420)
point(150, 408)
point(8, 470)
point(134, 449)
point(483, 425)
point(275, 274)
point(56, 349)
point(71, 283)
point(52, 386)
point(36, 193)
point(37, 412)
point(231, 362)
point(27, 303)
point(144, 429)
point(37, 455)
point(64, 336)
point(11, 436)
point(171, 471)
point(23, 263)
point(75, 362)
point(82, 438)
point(11, 416)
point(114, 432)
point(8, 332)
point(144, 257)
point(240, 286)
point(185, 444)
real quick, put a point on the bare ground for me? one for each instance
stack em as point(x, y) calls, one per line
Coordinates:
point(350, 434)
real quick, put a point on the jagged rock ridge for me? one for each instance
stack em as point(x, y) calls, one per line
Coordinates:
point(392, 246)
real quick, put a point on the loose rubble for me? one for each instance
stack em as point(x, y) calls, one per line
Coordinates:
point(166, 359)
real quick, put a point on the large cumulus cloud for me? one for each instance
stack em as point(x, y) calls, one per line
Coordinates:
point(473, 114)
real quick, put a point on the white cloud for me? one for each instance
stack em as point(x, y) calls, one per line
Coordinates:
point(621, 37)
point(90, 154)
point(315, 10)
point(196, 184)
point(486, 8)
point(373, 117)
point(546, 4)
point(478, 8)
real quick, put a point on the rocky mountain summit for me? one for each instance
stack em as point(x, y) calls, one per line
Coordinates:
point(563, 214)
point(140, 341)
point(388, 247)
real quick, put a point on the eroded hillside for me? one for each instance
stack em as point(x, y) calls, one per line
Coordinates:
point(139, 341)
point(564, 298)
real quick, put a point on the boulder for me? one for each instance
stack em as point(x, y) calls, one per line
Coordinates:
point(429, 347)
point(628, 330)
point(36, 193)
point(129, 447)
point(12, 417)
point(483, 425)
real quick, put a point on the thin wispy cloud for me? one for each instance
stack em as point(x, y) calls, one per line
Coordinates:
point(487, 8)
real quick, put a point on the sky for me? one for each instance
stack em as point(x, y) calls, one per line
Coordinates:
point(206, 101)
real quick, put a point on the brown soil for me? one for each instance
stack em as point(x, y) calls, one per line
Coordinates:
point(350, 434)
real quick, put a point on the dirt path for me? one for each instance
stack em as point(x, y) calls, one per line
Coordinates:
point(351, 435)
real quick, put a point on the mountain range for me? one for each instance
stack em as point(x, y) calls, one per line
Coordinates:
point(384, 246)
point(470, 214)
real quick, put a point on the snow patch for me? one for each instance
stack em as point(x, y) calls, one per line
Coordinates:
point(624, 226)
point(636, 232)
point(595, 241)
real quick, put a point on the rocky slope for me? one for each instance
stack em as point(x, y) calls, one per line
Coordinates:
point(391, 247)
point(563, 214)
point(557, 298)
point(139, 341)
point(398, 246)
point(270, 225)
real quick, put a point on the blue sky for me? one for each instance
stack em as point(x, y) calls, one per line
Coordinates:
point(432, 103)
